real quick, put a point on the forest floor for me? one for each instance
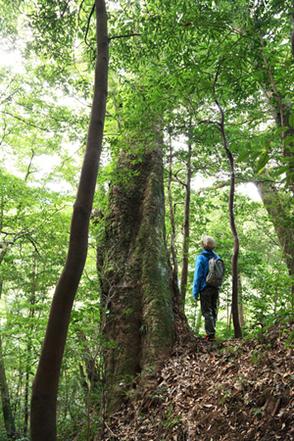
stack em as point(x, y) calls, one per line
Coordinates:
point(232, 390)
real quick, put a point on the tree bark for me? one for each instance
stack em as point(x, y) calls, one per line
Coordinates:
point(241, 305)
point(90, 376)
point(45, 387)
point(8, 417)
point(282, 110)
point(280, 208)
point(235, 302)
point(197, 320)
point(292, 33)
point(173, 249)
point(32, 301)
point(137, 288)
point(186, 226)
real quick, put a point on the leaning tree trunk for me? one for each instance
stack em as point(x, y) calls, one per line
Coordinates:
point(235, 300)
point(44, 395)
point(137, 289)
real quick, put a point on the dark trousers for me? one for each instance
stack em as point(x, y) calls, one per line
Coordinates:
point(209, 305)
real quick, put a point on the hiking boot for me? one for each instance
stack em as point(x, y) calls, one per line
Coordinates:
point(209, 337)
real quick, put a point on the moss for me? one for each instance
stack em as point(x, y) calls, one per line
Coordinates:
point(136, 278)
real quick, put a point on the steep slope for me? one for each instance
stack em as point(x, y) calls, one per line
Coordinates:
point(236, 390)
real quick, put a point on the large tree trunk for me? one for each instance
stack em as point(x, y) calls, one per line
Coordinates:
point(282, 110)
point(137, 289)
point(278, 206)
point(279, 209)
point(44, 395)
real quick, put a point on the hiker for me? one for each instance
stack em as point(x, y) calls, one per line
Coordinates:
point(208, 275)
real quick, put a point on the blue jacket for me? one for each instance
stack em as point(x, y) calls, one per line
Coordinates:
point(201, 271)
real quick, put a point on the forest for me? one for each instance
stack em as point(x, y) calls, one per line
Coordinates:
point(136, 136)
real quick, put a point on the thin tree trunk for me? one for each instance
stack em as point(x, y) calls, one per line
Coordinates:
point(26, 393)
point(5, 398)
point(45, 387)
point(276, 296)
point(241, 306)
point(172, 217)
point(292, 32)
point(228, 314)
point(8, 417)
point(235, 302)
point(198, 319)
point(17, 405)
point(32, 302)
point(89, 372)
point(230, 318)
point(186, 227)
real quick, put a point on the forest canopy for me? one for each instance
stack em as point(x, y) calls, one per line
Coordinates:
point(195, 138)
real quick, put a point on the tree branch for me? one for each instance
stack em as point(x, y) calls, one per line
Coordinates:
point(175, 176)
point(133, 34)
point(88, 24)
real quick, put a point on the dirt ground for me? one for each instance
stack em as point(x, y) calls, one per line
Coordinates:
point(217, 391)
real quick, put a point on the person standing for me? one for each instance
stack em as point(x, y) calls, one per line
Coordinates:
point(208, 275)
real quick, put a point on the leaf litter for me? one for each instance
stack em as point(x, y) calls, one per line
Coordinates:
point(217, 391)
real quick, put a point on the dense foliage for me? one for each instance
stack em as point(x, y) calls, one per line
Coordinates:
point(171, 62)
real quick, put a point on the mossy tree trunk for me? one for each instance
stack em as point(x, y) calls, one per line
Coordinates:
point(136, 280)
point(283, 113)
point(279, 206)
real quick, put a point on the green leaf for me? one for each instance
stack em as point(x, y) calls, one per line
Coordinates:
point(261, 163)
